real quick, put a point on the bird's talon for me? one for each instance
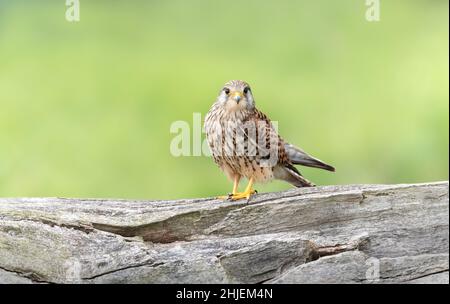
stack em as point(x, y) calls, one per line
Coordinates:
point(246, 194)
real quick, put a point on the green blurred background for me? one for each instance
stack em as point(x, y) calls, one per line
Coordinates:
point(85, 108)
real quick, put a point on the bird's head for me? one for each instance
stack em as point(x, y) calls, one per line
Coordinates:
point(236, 96)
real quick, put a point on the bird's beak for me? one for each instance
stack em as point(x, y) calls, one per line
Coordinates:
point(237, 96)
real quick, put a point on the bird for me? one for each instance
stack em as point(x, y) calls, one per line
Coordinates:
point(244, 143)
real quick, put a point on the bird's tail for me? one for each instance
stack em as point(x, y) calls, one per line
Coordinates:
point(300, 157)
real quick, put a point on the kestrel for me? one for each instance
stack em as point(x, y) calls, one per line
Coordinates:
point(245, 143)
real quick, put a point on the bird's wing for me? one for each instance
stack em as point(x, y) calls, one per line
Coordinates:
point(299, 157)
point(271, 139)
point(287, 155)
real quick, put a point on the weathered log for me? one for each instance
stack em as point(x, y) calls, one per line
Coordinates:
point(331, 234)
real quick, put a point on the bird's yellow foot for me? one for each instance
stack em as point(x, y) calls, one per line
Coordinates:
point(240, 195)
point(234, 196)
point(237, 196)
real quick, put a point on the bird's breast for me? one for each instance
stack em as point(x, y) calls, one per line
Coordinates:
point(230, 147)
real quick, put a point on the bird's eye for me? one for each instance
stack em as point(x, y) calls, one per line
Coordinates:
point(226, 90)
point(246, 89)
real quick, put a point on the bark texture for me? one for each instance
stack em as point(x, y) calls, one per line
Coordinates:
point(331, 234)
